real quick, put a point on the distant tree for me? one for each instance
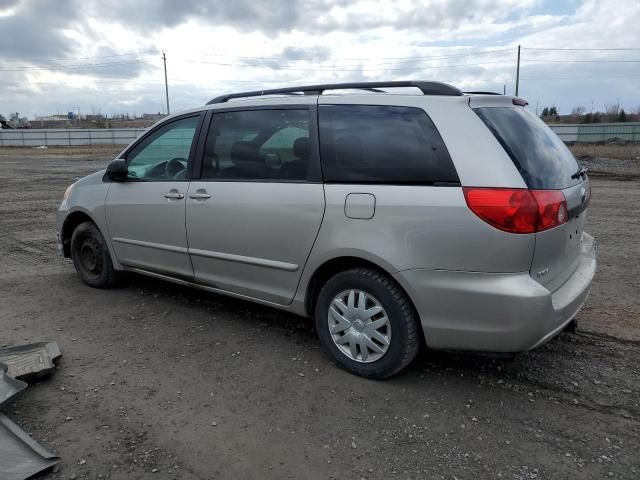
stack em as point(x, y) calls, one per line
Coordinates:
point(578, 111)
point(553, 112)
point(545, 112)
point(588, 118)
point(622, 117)
point(612, 109)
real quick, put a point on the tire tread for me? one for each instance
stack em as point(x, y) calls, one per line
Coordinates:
point(409, 319)
point(110, 276)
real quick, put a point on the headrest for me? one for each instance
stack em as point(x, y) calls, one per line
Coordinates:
point(245, 152)
point(302, 147)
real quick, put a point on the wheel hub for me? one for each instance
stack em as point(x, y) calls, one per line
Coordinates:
point(90, 257)
point(359, 326)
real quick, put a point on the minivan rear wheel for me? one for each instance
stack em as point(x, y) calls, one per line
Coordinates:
point(91, 257)
point(366, 322)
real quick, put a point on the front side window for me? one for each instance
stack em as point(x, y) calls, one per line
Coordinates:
point(164, 154)
point(382, 144)
point(258, 145)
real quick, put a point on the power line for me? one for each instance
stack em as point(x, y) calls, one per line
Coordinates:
point(338, 68)
point(65, 59)
point(394, 59)
point(99, 82)
point(580, 61)
point(582, 77)
point(96, 82)
point(71, 67)
point(581, 49)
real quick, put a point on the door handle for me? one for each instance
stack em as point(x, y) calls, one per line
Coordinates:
point(200, 195)
point(174, 195)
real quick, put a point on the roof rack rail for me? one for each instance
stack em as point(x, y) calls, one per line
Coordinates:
point(482, 93)
point(427, 88)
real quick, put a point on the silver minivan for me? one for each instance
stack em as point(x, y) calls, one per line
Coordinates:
point(430, 216)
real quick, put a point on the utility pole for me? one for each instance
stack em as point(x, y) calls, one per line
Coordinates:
point(166, 84)
point(518, 72)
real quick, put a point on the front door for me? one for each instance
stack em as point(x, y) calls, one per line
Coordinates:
point(254, 214)
point(146, 213)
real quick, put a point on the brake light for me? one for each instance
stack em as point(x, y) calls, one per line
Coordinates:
point(518, 210)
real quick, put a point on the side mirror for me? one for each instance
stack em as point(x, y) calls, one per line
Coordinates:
point(117, 170)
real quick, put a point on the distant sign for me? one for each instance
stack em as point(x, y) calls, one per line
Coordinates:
point(70, 115)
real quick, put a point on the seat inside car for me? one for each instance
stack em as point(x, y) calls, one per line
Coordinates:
point(297, 168)
point(247, 162)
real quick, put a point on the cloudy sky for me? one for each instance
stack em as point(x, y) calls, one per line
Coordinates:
point(105, 56)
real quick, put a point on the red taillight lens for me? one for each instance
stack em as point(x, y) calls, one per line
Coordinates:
point(518, 210)
point(552, 208)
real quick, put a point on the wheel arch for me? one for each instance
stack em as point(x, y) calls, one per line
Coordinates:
point(336, 265)
point(72, 220)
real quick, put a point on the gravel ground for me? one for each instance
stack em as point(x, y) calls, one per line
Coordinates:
point(159, 381)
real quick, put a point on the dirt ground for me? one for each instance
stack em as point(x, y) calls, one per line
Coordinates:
point(159, 381)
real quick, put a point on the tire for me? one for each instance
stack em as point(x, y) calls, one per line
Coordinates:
point(401, 330)
point(91, 257)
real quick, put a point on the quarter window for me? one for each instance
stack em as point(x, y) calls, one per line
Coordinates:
point(164, 154)
point(258, 145)
point(542, 159)
point(382, 144)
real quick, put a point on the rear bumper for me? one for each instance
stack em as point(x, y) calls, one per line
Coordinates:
point(496, 312)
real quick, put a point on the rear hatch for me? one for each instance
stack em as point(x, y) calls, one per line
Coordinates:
point(545, 163)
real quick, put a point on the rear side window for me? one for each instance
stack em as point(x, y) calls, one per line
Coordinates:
point(542, 159)
point(382, 144)
point(258, 145)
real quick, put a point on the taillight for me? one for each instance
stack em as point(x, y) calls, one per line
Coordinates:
point(552, 208)
point(518, 210)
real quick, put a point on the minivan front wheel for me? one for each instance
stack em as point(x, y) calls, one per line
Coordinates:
point(91, 257)
point(367, 323)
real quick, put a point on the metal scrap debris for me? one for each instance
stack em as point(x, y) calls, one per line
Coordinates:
point(30, 359)
point(20, 456)
point(9, 386)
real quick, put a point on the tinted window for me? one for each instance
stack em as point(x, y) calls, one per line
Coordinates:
point(381, 144)
point(163, 154)
point(540, 156)
point(258, 145)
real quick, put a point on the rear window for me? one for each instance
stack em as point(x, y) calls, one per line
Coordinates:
point(382, 144)
point(540, 156)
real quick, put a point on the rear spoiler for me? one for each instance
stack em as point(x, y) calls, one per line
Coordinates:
point(484, 100)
